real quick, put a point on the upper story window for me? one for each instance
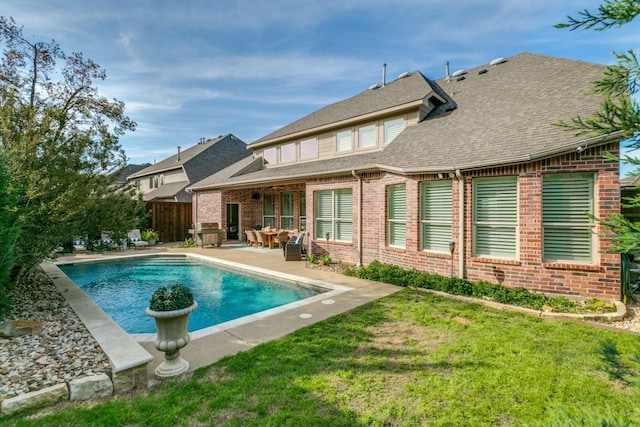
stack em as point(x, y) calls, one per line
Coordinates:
point(309, 148)
point(288, 153)
point(343, 141)
point(567, 230)
point(270, 155)
point(392, 128)
point(495, 216)
point(367, 136)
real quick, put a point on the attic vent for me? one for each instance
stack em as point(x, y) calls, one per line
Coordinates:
point(458, 73)
point(374, 86)
point(498, 61)
point(403, 75)
point(483, 71)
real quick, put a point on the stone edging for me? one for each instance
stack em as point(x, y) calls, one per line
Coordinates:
point(621, 308)
point(86, 388)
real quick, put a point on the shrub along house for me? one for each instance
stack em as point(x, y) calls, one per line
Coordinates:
point(466, 175)
point(163, 184)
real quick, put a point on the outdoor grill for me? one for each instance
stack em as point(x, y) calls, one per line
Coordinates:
point(209, 233)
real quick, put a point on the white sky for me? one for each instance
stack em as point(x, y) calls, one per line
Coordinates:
point(198, 68)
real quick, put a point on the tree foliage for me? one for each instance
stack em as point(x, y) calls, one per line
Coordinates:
point(59, 137)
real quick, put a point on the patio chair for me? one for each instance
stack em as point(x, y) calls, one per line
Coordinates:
point(135, 239)
point(108, 242)
point(261, 239)
point(281, 238)
point(293, 249)
point(79, 244)
point(251, 237)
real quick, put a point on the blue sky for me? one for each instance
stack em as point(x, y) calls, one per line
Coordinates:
point(197, 68)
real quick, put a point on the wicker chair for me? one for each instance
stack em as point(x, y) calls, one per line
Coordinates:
point(251, 237)
point(281, 238)
point(293, 249)
point(261, 239)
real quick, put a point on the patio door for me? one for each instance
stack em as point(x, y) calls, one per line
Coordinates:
point(233, 221)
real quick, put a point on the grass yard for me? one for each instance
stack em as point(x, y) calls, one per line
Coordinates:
point(406, 360)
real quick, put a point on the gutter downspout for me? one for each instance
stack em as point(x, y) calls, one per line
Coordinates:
point(460, 224)
point(359, 225)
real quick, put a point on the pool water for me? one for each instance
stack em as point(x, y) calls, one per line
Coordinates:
point(123, 289)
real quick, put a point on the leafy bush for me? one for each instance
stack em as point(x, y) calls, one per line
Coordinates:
point(188, 243)
point(311, 259)
point(149, 234)
point(324, 259)
point(174, 297)
point(395, 275)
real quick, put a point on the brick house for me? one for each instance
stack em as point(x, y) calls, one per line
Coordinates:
point(163, 184)
point(400, 171)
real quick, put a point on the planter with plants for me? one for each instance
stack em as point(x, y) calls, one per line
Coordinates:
point(150, 236)
point(170, 307)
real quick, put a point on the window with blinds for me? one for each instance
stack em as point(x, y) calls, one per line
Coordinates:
point(436, 215)
point(367, 136)
point(302, 211)
point(392, 128)
point(567, 199)
point(397, 220)
point(286, 210)
point(268, 210)
point(343, 141)
point(334, 215)
point(495, 217)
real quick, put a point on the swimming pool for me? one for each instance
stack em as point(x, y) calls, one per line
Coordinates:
point(122, 288)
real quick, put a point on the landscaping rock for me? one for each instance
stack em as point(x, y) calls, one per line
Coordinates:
point(93, 387)
point(17, 328)
point(35, 399)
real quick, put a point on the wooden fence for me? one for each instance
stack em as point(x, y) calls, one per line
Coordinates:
point(171, 220)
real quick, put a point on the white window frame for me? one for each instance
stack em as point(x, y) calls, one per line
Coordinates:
point(436, 215)
point(344, 141)
point(333, 210)
point(287, 210)
point(288, 152)
point(367, 136)
point(270, 155)
point(392, 128)
point(309, 148)
point(269, 218)
point(567, 230)
point(495, 217)
point(397, 215)
point(302, 211)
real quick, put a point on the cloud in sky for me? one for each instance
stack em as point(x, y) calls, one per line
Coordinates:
point(202, 68)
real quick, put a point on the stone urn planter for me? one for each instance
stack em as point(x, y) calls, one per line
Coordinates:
point(170, 307)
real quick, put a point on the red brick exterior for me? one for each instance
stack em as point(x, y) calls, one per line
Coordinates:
point(599, 279)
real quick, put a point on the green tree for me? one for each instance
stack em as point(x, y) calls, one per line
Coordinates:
point(60, 138)
point(8, 233)
point(618, 114)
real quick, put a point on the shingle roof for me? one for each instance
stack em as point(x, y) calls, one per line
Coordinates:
point(396, 93)
point(496, 115)
point(174, 191)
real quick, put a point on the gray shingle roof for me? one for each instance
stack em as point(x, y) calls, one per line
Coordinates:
point(398, 92)
point(496, 115)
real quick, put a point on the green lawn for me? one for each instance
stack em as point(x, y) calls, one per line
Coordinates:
point(406, 360)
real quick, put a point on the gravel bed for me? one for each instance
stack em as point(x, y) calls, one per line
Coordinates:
point(65, 350)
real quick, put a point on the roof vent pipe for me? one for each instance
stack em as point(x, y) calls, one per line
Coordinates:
point(446, 70)
point(384, 74)
point(178, 153)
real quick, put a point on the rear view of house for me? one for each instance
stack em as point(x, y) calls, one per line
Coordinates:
point(467, 174)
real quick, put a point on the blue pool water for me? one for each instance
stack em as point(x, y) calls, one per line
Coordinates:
point(123, 288)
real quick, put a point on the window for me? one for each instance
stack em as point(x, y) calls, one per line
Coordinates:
point(268, 210)
point(334, 213)
point(495, 216)
point(288, 153)
point(286, 210)
point(309, 148)
point(397, 208)
point(303, 211)
point(392, 128)
point(566, 228)
point(270, 155)
point(343, 141)
point(435, 215)
point(367, 136)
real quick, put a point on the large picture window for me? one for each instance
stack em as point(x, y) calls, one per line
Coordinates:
point(334, 215)
point(397, 220)
point(495, 217)
point(567, 199)
point(436, 215)
point(286, 210)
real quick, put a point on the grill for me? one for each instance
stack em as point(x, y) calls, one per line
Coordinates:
point(209, 234)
